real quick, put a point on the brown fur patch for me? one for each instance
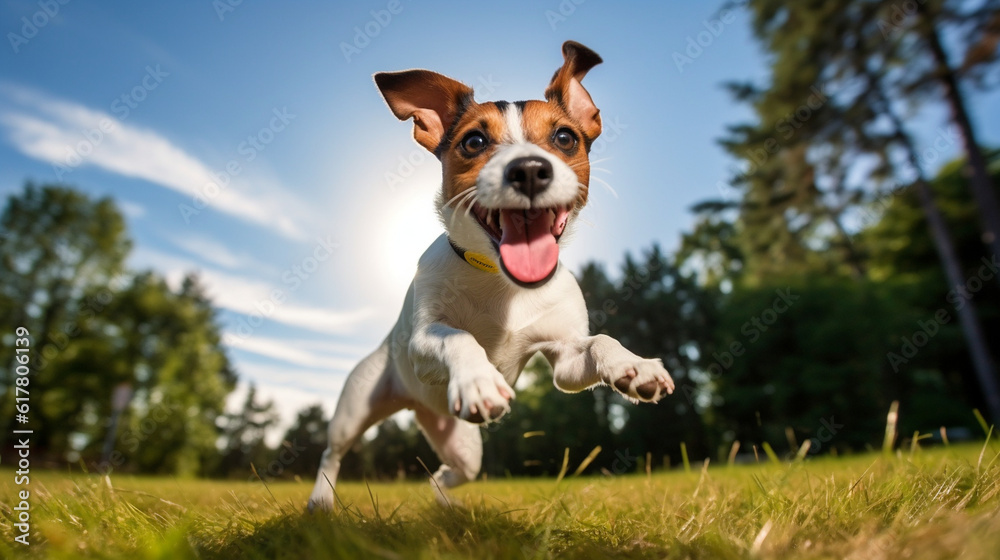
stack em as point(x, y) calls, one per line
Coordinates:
point(460, 171)
point(540, 120)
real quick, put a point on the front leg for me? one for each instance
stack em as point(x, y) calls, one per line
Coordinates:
point(585, 362)
point(477, 392)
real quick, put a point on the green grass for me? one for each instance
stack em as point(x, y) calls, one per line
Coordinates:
point(931, 503)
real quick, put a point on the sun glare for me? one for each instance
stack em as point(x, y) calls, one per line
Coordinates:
point(410, 226)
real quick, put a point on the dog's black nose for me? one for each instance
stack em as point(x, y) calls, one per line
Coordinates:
point(529, 175)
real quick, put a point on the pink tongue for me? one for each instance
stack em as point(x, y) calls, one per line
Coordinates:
point(528, 248)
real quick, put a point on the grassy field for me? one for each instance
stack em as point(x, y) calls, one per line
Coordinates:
point(931, 503)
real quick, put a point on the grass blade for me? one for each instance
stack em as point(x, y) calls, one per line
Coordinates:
point(770, 453)
point(982, 421)
point(803, 450)
point(891, 420)
point(565, 466)
point(587, 460)
point(732, 453)
point(254, 469)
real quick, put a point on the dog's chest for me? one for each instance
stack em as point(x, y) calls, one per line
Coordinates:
point(508, 327)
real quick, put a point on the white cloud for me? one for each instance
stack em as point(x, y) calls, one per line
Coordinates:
point(214, 252)
point(131, 209)
point(251, 297)
point(288, 401)
point(291, 352)
point(321, 383)
point(67, 134)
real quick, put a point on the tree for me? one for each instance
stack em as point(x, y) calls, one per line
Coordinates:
point(242, 435)
point(844, 47)
point(61, 253)
point(981, 25)
point(712, 251)
point(657, 311)
point(168, 347)
point(95, 327)
point(901, 247)
point(303, 443)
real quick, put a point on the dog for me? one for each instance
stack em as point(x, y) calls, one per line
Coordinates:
point(490, 292)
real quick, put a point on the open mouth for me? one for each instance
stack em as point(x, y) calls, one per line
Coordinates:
point(527, 240)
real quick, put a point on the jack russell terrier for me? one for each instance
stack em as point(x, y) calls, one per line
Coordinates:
point(490, 292)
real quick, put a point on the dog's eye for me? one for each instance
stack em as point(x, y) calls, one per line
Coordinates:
point(564, 139)
point(474, 142)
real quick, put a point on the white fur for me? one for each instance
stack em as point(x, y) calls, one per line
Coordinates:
point(464, 335)
point(495, 193)
point(515, 132)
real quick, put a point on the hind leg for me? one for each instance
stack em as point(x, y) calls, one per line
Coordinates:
point(370, 395)
point(458, 444)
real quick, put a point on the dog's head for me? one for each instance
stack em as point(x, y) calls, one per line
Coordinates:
point(515, 174)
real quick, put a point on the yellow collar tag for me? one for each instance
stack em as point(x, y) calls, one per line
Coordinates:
point(482, 262)
point(478, 260)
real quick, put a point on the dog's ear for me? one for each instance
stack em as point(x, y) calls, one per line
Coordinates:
point(432, 100)
point(566, 89)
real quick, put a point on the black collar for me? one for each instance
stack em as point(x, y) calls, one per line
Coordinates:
point(478, 260)
point(486, 264)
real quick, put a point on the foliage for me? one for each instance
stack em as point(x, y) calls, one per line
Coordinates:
point(902, 251)
point(302, 446)
point(829, 134)
point(96, 326)
point(812, 353)
point(60, 251)
point(657, 311)
point(243, 432)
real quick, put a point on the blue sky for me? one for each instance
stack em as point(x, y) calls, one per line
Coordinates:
point(322, 194)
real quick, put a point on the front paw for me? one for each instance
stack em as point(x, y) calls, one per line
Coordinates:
point(479, 398)
point(641, 380)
